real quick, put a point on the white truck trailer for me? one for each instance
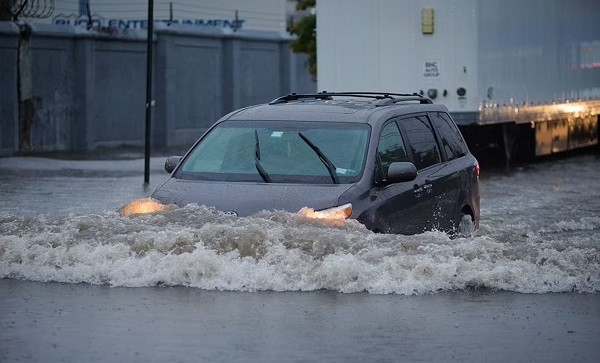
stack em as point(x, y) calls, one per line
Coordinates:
point(521, 77)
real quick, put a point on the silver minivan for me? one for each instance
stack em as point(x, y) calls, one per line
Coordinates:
point(395, 162)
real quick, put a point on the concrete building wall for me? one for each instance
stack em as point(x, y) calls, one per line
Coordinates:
point(88, 88)
point(51, 59)
point(8, 81)
point(257, 54)
point(119, 92)
point(262, 15)
point(189, 88)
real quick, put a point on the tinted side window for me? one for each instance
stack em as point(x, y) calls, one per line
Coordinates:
point(450, 137)
point(391, 147)
point(419, 136)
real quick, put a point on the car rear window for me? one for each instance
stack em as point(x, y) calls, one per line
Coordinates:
point(230, 150)
point(450, 137)
point(419, 136)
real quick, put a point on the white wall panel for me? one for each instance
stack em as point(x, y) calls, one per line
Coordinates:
point(500, 51)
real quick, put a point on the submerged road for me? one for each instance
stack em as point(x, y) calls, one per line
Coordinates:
point(80, 283)
point(50, 322)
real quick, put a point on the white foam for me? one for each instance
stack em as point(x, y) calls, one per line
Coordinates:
point(583, 224)
point(199, 247)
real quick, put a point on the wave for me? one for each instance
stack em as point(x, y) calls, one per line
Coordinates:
point(199, 247)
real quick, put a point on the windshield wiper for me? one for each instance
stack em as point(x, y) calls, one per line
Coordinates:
point(259, 167)
point(324, 159)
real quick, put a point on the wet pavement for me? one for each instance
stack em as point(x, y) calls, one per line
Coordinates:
point(50, 322)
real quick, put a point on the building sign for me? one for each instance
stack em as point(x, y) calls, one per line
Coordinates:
point(431, 69)
point(98, 21)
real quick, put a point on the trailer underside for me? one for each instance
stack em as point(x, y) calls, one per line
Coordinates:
point(511, 142)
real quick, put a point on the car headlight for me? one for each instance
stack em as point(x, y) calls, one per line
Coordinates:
point(335, 214)
point(144, 206)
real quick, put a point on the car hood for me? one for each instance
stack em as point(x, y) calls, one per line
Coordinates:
point(248, 198)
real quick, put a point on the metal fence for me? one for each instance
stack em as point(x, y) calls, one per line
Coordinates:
point(70, 89)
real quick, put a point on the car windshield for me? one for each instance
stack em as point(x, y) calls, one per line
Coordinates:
point(279, 152)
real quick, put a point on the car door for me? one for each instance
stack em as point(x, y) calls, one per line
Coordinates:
point(424, 153)
point(399, 207)
point(453, 178)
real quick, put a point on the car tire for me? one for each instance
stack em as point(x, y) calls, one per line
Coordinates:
point(465, 226)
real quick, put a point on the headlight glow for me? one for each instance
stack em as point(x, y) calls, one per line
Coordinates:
point(144, 206)
point(338, 213)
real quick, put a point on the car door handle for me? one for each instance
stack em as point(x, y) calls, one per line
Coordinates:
point(418, 191)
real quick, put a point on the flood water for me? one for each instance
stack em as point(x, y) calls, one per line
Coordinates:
point(276, 286)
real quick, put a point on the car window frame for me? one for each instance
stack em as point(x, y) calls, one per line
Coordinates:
point(378, 175)
point(434, 133)
point(439, 136)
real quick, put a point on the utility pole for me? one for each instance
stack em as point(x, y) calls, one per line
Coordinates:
point(149, 101)
point(84, 6)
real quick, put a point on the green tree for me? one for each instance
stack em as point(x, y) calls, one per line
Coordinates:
point(305, 30)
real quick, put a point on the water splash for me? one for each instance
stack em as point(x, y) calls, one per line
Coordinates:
point(200, 247)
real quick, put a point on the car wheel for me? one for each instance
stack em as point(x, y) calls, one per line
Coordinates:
point(466, 226)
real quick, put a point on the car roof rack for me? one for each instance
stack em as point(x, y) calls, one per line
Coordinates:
point(385, 97)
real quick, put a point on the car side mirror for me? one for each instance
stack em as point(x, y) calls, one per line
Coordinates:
point(399, 172)
point(171, 163)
